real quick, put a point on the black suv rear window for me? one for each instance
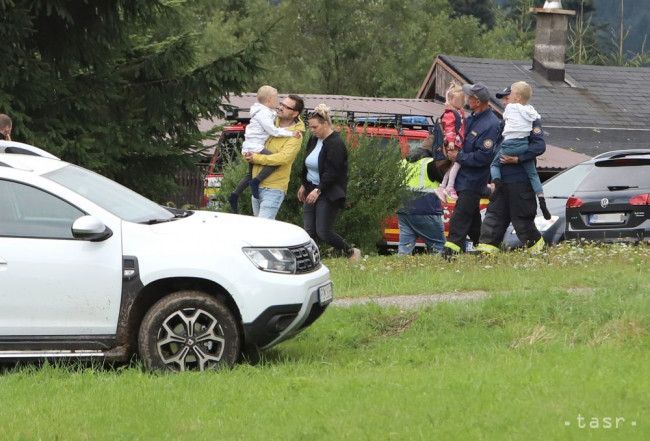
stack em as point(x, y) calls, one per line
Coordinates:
point(636, 175)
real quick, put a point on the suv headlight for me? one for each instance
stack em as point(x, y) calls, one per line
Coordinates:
point(275, 260)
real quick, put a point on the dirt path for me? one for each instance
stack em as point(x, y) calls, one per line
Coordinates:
point(411, 301)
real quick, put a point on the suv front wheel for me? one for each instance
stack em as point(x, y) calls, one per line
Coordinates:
point(188, 330)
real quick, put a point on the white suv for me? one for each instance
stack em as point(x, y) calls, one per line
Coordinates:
point(89, 268)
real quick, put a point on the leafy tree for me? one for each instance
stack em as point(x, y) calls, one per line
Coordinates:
point(583, 47)
point(585, 6)
point(320, 46)
point(224, 26)
point(600, 33)
point(636, 22)
point(481, 9)
point(373, 48)
point(403, 36)
point(518, 11)
point(600, 43)
point(114, 85)
point(614, 52)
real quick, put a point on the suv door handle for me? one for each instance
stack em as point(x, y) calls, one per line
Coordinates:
point(3, 264)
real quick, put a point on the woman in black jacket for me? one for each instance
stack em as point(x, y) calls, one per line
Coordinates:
point(325, 181)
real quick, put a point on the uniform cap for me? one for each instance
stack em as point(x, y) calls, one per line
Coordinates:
point(478, 90)
point(504, 92)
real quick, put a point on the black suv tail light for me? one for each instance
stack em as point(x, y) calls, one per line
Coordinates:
point(640, 199)
point(574, 202)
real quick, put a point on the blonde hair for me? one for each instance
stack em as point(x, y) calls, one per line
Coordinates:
point(453, 90)
point(523, 90)
point(322, 113)
point(265, 93)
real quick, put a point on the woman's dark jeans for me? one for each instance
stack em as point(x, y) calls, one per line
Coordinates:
point(319, 219)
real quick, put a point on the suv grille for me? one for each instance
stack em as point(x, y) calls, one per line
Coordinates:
point(307, 257)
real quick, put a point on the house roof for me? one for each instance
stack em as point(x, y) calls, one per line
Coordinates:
point(596, 108)
point(556, 158)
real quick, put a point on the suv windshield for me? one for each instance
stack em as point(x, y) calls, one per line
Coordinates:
point(564, 184)
point(617, 177)
point(111, 196)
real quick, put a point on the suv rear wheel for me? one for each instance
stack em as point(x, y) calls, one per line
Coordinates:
point(189, 330)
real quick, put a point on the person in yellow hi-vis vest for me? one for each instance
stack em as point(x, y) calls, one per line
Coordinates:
point(421, 214)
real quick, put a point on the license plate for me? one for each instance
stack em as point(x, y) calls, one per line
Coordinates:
point(607, 218)
point(325, 294)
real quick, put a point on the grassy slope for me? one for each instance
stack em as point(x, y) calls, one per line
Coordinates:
point(513, 367)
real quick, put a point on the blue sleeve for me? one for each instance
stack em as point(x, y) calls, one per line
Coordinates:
point(486, 144)
point(536, 143)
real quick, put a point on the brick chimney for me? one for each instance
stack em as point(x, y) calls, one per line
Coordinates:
point(550, 40)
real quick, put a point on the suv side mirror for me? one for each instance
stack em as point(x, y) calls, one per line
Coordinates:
point(90, 228)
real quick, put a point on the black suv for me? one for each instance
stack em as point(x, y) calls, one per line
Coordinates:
point(612, 202)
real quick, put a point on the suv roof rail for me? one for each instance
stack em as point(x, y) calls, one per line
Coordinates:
point(622, 153)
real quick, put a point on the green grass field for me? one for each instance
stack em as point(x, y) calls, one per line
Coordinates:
point(558, 351)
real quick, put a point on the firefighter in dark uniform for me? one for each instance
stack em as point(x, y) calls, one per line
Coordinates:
point(482, 132)
point(514, 200)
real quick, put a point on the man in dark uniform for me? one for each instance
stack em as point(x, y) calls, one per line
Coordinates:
point(514, 200)
point(482, 131)
point(504, 96)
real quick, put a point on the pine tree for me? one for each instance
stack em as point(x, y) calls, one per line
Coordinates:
point(114, 85)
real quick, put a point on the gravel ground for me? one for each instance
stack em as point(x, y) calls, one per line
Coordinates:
point(412, 301)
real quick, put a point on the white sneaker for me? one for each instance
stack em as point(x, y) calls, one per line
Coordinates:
point(355, 256)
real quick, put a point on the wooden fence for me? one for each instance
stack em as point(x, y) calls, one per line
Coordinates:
point(190, 187)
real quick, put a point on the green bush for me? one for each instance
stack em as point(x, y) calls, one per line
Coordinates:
point(375, 190)
point(376, 187)
point(233, 172)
